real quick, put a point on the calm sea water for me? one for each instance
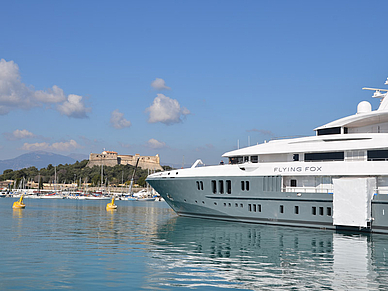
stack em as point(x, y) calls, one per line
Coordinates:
point(70, 244)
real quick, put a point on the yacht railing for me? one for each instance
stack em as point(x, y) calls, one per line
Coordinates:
point(307, 190)
point(287, 137)
point(381, 191)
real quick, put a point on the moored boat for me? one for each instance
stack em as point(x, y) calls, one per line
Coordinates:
point(337, 179)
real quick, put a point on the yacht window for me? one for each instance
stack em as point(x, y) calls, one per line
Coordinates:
point(281, 209)
point(327, 131)
point(259, 207)
point(254, 207)
point(296, 209)
point(221, 186)
point(314, 210)
point(242, 185)
point(235, 160)
point(378, 155)
point(295, 157)
point(249, 207)
point(201, 185)
point(293, 183)
point(198, 186)
point(331, 156)
point(328, 211)
point(228, 187)
point(254, 159)
point(246, 159)
point(214, 186)
point(320, 210)
point(247, 185)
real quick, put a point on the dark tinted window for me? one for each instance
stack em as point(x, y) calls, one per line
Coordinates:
point(228, 186)
point(214, 186)
point(221, 186)
point(377, 155)
point(332, 130)
point(334, 156)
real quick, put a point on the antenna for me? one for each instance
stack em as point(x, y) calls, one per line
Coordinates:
point(375, 89)
point(378, 93)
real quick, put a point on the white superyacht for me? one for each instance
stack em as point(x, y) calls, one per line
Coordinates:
point(337, 179)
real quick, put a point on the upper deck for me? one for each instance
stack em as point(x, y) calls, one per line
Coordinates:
point(365, 131)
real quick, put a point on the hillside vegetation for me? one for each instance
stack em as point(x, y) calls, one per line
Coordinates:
point(78, 171)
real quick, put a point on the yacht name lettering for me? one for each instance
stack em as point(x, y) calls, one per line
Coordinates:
point(297, 169)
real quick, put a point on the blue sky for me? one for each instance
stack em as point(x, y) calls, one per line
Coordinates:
point(182, 78)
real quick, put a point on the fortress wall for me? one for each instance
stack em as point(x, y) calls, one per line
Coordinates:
point(112, 159)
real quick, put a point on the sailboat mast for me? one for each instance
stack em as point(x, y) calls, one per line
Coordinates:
point(133, 175)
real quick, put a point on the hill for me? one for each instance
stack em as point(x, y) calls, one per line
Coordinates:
point(38, 159)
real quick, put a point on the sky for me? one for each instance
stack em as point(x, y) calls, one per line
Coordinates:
point(186, 80)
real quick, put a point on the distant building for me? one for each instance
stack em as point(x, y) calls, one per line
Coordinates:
point(111, 159)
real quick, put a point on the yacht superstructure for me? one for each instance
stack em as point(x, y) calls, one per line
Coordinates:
point(337, 179)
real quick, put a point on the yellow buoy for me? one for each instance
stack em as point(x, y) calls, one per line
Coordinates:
point(112, 205)
point(19, 204)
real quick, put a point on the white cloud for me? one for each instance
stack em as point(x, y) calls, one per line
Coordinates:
point(166, 110)
point(117, 120)
point(35, 146)
point(13, 93)
point(159, 84)
point(16, 95)
point(58, 146)
point(19, 134)
point(54, 95)
point(155, 144)
point(74, 107)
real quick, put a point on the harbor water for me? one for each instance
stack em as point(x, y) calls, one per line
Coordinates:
point(79, 245)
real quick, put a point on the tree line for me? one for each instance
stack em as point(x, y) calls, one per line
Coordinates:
point(79, 173)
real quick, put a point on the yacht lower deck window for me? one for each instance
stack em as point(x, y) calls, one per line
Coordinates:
point(378, 155)
point(214, 186)
point(221, 186)
point(228, 187)
point(296, 209)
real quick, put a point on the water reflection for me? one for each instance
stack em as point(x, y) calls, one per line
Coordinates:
point(79, 245)
point(194, 252)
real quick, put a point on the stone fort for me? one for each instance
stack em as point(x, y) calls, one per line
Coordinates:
point(111, 159)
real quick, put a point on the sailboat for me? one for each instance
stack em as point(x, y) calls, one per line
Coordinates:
point(130, 195)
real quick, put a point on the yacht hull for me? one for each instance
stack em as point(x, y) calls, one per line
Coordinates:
point(310, 210)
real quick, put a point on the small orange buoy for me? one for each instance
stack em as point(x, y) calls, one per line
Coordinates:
point(19, 204)
point(112, 205)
